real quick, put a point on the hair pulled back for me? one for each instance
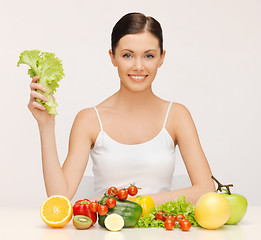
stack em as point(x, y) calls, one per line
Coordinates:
point(133, 23)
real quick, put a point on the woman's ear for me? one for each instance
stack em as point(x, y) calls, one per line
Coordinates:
point(112, 58)
point(162, 57)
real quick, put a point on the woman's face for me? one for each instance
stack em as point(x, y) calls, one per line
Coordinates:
point(137, 57)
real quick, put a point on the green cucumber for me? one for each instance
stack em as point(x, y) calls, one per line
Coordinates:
point(130, 211)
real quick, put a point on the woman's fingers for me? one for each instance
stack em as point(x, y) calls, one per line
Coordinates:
point(35, 79)
point(37, 86)
point(38, 95)
point(38, 106)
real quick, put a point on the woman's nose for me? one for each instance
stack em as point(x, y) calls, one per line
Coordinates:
point(138, 64)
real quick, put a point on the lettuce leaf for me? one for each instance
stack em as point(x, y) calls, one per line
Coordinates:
point(180, 206)
point(50, 70)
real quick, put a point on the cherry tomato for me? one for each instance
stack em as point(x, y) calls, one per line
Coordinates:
point(102, 210)
point(169, 224)
point(110, 202)
point(132, 190)
point(171, 217)
point(122, 194)
point(113, 191)
point(184, 224)
point(160, 215)
point(179, 217)
point(94, 206)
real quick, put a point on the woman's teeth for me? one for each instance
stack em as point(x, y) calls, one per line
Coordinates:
point(138, 77)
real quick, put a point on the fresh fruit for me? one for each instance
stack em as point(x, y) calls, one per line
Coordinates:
point(171, 217)
point(130, 211)
point(169, 224)
point(82, 207)
point(238, 203)
point(179, 217)
point(146, 203)
point(102, 210)
point(81, 222)
point(132, 190)
point(114, 222)
point(122, 194)
point(94, 206)
point(56, 211)
point(212, 210)
point(160, 215)
point(113, 191)
point(184, 224)
point(110, 202)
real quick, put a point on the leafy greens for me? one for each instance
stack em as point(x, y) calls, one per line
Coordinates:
point(50, 71)
point(180, 206)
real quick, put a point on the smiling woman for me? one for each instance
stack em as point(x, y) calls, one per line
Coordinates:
point(132, 135)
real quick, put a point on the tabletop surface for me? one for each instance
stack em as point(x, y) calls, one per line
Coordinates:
point(18, 223)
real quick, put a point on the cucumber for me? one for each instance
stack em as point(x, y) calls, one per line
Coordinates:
point(130, 211)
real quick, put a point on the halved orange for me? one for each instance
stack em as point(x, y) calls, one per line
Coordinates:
point(56, 211)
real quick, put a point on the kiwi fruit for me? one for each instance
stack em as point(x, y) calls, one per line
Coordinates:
point(81, 222)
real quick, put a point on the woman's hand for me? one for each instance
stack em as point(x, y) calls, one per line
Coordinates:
point(38, 110)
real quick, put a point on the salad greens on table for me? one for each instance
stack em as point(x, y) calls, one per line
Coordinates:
point(180, 206)
point(50, 70)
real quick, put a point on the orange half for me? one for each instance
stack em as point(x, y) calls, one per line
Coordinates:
point(56, 211)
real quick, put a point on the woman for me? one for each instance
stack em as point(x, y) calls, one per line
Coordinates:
point(132, 135)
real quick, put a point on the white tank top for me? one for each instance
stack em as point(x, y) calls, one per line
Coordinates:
point(149, 165)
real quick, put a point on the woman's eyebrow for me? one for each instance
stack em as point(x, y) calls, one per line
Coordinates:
point(144, 52)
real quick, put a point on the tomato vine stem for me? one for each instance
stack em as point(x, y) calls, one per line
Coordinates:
point(220, 185)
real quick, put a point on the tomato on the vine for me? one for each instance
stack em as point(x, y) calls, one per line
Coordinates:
point(160, 215)
point(132, 190)
point(94, 206)
point(179, 217)
point(102, 210)
point(184, 224)
point(171, 217)
point(169, 224)
point(122, 194)
point(110, 202)
point(112, 191)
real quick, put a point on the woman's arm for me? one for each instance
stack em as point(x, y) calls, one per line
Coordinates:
point(61, 180)
point(185, 134)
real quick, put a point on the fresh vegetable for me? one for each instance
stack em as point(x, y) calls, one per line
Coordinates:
point(179, 217)
point(169, 224)
point(212, 210)
point(56, 211)
point(94, 206)
point(82, 207)
point(171, 217)
point(130, 211)
point(160, 215)
point(102, 210)
point(50, 70)
point(122, 194)
point(110, 202)
point(81, 222)
point(184, 224)
point(180, 206)
point(146, 203)
point(237, 202)
point(112, 191)
point(114, 222)
point(132, 190)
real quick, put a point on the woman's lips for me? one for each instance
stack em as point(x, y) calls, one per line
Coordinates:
point(137, 78)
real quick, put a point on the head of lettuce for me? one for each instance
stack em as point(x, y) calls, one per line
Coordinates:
point(50, 71)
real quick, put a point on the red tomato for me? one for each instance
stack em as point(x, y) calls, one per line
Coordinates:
point(122, 194)
point(169, 224)
point(179, 217)
point(113, 191)
point(132, 190)
point(110, 202)
point(171, 217)
point(160, 215)
point(94, 206)
point(102, 210)
point(184, 224)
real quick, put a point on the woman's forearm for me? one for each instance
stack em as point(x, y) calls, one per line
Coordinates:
point(192, 194)
point(55, 181)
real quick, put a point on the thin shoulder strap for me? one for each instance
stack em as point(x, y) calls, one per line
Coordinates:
point(167, 114)
point(98, 116)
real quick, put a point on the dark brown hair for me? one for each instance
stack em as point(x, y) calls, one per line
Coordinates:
point(133, 23)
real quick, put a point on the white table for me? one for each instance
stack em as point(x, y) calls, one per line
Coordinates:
point(18, 223)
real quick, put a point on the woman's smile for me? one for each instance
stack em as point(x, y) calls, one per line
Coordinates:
point(137, 78)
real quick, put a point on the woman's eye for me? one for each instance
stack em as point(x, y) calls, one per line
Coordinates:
point(126, 55)
point(149, 56)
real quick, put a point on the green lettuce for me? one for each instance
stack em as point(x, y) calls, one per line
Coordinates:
point(180, 206)
point(50, 71)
